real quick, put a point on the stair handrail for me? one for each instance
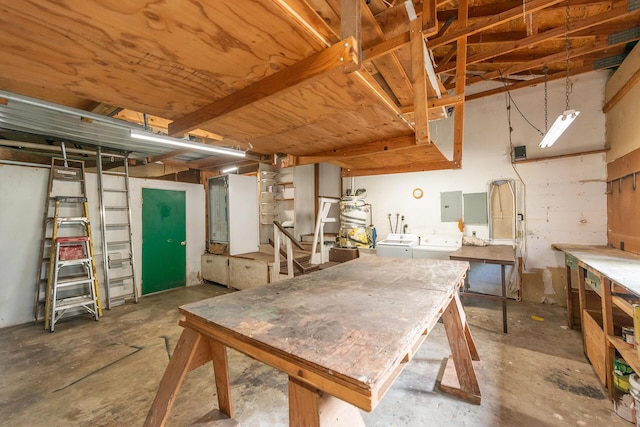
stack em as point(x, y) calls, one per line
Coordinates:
point(278, 231)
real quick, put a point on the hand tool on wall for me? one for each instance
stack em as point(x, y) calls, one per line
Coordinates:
point(390, 226)
point(395, 230)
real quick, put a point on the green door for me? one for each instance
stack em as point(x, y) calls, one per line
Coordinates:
point(164, 255)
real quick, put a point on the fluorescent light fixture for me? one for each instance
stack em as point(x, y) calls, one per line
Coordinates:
point(231, 169)
point(559, 126)
point(181, 143)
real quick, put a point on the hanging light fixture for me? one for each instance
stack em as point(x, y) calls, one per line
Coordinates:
point(568, 115)
point(183, 143)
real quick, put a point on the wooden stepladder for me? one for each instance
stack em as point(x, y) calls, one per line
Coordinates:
point(67, 249)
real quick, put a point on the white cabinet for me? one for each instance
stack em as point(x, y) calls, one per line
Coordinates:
point(215, 268)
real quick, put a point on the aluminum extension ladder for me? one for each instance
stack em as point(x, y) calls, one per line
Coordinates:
point(117, 238)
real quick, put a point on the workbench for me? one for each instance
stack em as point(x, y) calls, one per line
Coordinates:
point(501, 255)
point(342, 335)
point(614, 276)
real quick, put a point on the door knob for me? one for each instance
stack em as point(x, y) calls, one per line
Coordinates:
point(183, 243)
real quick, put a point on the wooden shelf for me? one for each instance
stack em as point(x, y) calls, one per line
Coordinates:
point(628, 353)
point(623, 305)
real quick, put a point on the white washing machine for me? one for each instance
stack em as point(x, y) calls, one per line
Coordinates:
point(397, 246)
point(435, 246)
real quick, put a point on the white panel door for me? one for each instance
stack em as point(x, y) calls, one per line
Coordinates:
point(243, 214)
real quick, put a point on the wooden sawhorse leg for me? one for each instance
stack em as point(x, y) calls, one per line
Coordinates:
point(464, 383)
point(192, 351)
point(310, 407)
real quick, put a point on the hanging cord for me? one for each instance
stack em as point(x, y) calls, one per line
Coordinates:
point(516, 105)
point(568, 47)
point(545, 70)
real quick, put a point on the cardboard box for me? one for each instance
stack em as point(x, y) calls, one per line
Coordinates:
point(218, 248)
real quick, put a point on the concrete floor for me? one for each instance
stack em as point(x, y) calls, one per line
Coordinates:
point(107, 373)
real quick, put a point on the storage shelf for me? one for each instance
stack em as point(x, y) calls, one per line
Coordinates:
point(628, 353)
point(623, 305)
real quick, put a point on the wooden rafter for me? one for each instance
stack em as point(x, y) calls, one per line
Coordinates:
point(441, 165)
point(464, 30)
point(341, 57)
point(385, 146)
point(168, 155)
point(527, 83)
point(528, 42)
point(538, 63)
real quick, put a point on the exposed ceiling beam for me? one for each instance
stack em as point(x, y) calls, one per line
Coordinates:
point(483, 11)
point(535, 39)
point(602, 45)
point(341, 57)
point(169, 155)
point(531, 82)
point(399, 169)
point(369, 148)
point(403, 39)
point(463, 30)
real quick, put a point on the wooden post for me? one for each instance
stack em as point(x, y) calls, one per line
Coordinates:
point(351, 22)
point(419, 77)
point(607, 327)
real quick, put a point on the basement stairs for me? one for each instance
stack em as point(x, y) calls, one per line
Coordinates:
point(301, 260)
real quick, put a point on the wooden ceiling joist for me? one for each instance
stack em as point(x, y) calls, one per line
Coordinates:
point(528, 42)
point(600, 46)
point(531, 82)
point(168, 155)
point(384, 146)
point(341, 57)
point(463, 30)
point(441, 165)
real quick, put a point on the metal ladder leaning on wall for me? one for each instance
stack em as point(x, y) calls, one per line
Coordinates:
point(51, 261)
point(117, 237)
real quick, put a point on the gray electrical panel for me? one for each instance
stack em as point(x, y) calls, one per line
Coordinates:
point(451, 206)
point(475, 208)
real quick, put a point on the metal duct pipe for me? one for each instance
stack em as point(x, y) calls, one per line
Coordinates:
point(18, 144)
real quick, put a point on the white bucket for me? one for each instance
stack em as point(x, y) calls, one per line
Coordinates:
point(634, 390)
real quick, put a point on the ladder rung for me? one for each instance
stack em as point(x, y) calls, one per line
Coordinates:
point(117, 263)
point(118, 243)
point(71, 262)
point(73, 282)
point(115, 190)
point(68, 220)
point(116, 208)
point(117, 225)
point(121, 278)
point(114, 173)
point(73, 302)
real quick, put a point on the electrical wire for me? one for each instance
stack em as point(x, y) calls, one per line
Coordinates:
point(516, 105)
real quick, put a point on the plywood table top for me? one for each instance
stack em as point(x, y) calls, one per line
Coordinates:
point(622, 268)
point(491, 254)
point(353, 323)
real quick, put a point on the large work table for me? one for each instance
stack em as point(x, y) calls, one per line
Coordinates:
point(501, 255)
point(342, 335)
